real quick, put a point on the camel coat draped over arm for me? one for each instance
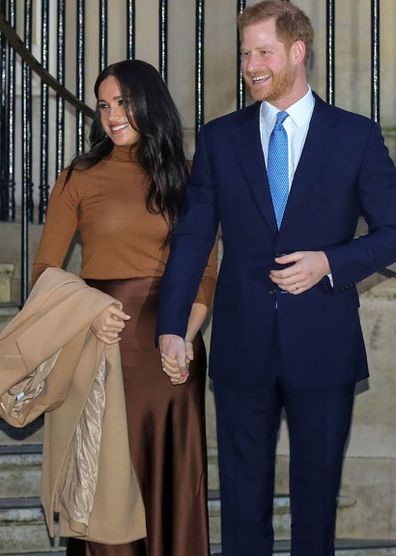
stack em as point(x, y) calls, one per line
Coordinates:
point(50, 361)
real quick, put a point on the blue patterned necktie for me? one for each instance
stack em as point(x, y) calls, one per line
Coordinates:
point(278, 167)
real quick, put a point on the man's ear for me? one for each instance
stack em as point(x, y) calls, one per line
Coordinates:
point(297, 52)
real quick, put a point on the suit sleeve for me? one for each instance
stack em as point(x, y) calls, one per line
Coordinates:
point(361, 256)
point(191, 245)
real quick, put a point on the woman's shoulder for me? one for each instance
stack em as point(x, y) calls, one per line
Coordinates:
point(79, 177)
point(71, 185)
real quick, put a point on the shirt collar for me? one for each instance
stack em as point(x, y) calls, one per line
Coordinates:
point(300, 112)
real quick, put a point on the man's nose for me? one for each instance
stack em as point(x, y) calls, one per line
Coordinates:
point(252, 62)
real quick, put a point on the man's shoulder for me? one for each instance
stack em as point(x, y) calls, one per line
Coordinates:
point(233, 118)
point(342, 116)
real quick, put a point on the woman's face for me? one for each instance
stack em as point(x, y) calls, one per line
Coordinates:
point(113, 116)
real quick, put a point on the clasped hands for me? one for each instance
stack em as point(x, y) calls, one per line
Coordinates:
point(306, 269)
point(176, 355)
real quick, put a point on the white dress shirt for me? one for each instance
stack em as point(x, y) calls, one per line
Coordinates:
point(296, 126)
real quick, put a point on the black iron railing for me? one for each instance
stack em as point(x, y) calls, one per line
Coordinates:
point(330, 61)
point(130, 19)
point(375, 60)
point(53, 113)
point(44, 123)
point(163, 39)
point(199, 64)
point(240, 94)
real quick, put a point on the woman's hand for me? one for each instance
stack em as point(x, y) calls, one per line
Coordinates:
point(108, 325)
point(171, 366)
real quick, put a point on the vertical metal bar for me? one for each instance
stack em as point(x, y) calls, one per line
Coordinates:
point(27, 204)
point(163, 39)
point(130, 29)
point(375, 60)
point(330, 51)
point(44, 186)
point(241, 4)
point(80, 55)
point(3, 113)
point(102, 34)
point(199, 64)
point(60, 103)
point(8, 208)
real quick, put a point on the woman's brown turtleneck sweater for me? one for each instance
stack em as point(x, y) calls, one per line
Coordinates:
point(120, 238)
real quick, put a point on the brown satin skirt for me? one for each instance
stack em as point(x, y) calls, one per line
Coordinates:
point(166, 426)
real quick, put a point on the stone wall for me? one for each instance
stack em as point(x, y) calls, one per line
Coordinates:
point(370, 467)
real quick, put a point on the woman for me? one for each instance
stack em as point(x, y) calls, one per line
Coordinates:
point(124, 197)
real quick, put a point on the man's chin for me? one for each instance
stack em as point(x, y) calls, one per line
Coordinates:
point(260, 96)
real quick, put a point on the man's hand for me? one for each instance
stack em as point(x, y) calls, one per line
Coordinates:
point(306, 270)
point(175, 356)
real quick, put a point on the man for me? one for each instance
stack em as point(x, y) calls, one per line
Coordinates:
point(287, 179)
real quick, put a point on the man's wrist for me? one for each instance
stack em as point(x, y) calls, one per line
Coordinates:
point(326, 264)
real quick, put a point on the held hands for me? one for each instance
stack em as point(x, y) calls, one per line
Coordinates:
point(108, 325)
point(306, 269)
point(176, 354)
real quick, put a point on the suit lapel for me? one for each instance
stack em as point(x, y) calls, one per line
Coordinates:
point(246, 136)
point(320, 139)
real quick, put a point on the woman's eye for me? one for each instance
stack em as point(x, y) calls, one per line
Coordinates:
point(102, 105)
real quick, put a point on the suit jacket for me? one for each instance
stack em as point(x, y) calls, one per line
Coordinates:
point(51, 362)
point(344, 171)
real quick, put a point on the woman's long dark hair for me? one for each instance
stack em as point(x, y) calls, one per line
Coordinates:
point(152, 112)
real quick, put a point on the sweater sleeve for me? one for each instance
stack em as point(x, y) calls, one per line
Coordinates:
point(60, 226)
point(207, 285)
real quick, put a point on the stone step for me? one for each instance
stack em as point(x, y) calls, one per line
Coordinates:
point(8, 310)
point(213, 469)
point(20, 471)
point(6, 273)
point(281, 515)
point(343, 548)
point(55, 552)
point(13, 436)
point(23, 529)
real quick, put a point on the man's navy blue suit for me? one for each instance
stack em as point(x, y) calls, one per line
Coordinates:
point(309, 343)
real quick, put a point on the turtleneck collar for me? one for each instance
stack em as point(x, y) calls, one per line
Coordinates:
point(123, 153)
